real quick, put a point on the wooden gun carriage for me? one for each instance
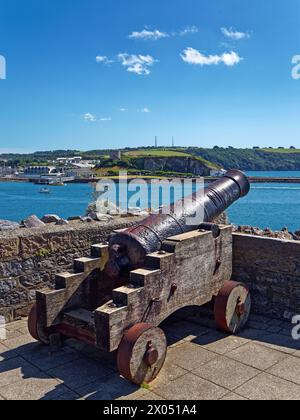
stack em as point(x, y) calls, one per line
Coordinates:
point(123, 311)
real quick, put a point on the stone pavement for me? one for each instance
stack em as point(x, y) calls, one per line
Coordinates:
point(263, 362)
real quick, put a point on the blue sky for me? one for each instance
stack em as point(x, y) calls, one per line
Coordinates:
point(115, 73)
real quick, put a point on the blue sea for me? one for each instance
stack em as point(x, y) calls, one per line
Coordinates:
point(267, 205)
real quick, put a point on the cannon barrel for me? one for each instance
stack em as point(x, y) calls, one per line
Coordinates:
point(129, 248)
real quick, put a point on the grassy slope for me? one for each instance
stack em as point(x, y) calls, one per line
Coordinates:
point(167, 153)
point(284, 151)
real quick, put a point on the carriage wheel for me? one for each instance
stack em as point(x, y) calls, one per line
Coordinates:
point(142, 353)
point(35, 330)
point(232, 307)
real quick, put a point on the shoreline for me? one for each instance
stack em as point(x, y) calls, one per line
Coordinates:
point(253, 180)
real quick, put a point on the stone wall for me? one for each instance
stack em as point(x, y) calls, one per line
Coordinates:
point(30, 258)
point(271, 268)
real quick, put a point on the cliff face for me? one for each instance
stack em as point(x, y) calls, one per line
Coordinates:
point(173, 164)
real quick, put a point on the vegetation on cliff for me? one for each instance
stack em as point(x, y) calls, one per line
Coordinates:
point(143, 159)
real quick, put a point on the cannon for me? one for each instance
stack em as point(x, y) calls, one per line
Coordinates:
point(117, 299)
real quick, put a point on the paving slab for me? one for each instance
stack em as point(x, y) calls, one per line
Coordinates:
point(111, 387)
point(201, 364)
point(169, 373)
point(191, 387)
point(80, 372)
point(269, 387)
point(257, 356)
point(16, 369)
point(252, 334)
point(285, 344)
point(9, 335)
point(233, 397)
point(260, 318)
point(6, 353)
point(189, 356)
point(227, 373)
point(184, 330)
point(17, 326)
point(150, 396)
point(275, 330)
point(66, 396)
point(220, 343)
point(41, 387)
point(257, 325)
point(288, 369)
point(21, 344)
point(46, 358)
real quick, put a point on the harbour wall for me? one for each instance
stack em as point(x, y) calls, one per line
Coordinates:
point(271, 269)
point(30, 258)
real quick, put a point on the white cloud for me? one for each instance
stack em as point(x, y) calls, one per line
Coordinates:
point(146, 110)
point(123, 109)
point(231, 59)
point(103, 59)
point(89, 117)
point(92, 118)
point(105, 119)
point(148, 35)
point(234, 35)
point(139, 64)
point(189, 30)
point(192, 56)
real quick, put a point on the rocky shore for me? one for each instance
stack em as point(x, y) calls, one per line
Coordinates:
point(269, 233)
point(110, 212)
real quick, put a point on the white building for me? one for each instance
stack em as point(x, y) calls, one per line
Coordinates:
point(217, 172)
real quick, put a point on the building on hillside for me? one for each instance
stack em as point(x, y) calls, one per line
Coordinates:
point(115, 154)
point(81, 172)
point(69, 160)
point(217, 172)
point(37, 171)
point(45, 174)
point(7, 170)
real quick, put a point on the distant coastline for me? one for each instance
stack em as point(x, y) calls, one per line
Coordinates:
point(253, 180)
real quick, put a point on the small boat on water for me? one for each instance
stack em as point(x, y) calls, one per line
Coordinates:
point(44, 191)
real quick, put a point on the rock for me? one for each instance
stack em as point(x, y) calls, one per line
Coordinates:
point(74, 218)
point(92, 215)
point(295, 237)
point(62, 222)
point(222, 219)
point(103, 217)
point(33, 222)
point(106, 207)
point(137, 211)
point(50, 218)
point(87, 219)
point(283, 234)
point(8, 225)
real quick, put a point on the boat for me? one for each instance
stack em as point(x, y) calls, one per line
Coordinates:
point(57, 184)
point(44, 191)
